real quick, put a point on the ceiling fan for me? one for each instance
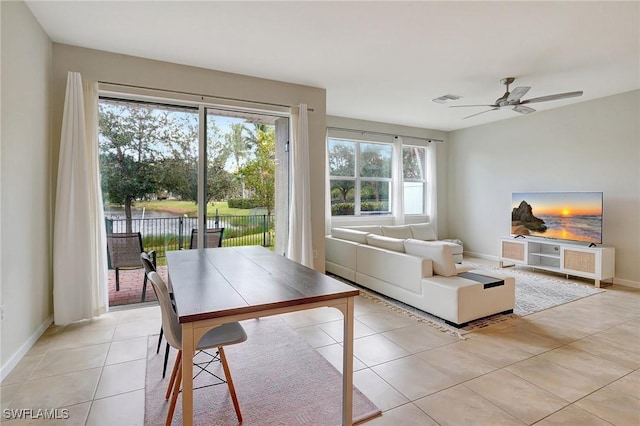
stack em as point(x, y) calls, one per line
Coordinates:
point(512, 100)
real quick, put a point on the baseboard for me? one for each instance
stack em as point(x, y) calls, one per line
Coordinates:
point(480, 255)
point(20, 353)
point(626, 283)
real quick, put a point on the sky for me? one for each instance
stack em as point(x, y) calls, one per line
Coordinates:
point(561, 203)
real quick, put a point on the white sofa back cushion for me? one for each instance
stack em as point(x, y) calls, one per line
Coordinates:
point(440, 255)
point(397, 231)
point(371, 229)
point(423, 231)
point(395, 244)
point(349, 235)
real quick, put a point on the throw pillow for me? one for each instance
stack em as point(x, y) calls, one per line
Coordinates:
point(388, 243)
point(423, 231)
point(439, 253)
point(397, 231)
point(349, 235)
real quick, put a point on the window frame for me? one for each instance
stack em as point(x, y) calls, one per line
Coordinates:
point(424, 179)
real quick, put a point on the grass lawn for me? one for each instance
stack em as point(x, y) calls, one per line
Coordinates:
point(190, 208)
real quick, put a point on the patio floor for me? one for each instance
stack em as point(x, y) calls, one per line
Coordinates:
point(131, 286)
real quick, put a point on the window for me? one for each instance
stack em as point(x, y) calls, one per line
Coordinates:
point(414, 179)
point(360, 175)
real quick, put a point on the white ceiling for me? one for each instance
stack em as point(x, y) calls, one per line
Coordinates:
point(380, 61)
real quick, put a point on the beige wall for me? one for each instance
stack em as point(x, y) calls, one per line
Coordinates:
point(589, 146)
point(25, 207)
point(120, 69)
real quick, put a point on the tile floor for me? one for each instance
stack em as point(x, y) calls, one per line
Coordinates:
point(575, 364)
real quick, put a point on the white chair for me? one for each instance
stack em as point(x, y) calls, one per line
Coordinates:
point(224, 335)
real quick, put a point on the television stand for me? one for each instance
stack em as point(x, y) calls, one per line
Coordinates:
point(597, 263)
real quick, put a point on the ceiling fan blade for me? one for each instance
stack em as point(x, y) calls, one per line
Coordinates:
point(473, 115)
point(518, 93)
point(462, 106)
point(552, 97)
point(523, 109)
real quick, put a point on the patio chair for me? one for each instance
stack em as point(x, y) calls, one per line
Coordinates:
point(124, 253)
point(224, 335)
point(212, 239)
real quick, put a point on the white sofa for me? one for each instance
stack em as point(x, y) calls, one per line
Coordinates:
point(406, 263)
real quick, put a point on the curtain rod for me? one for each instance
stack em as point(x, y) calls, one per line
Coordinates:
point(367, 132)
point(224, 98)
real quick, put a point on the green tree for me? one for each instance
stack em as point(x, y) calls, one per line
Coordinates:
point(342, 162)
point(130, 136)
point(259, 171)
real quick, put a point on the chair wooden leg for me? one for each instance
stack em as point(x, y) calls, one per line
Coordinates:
point(232, 389)
point(176, 367)
point(174, 398)
point(117, 279)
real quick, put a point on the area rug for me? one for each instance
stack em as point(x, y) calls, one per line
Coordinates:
point(534, 293)
point(279, 380)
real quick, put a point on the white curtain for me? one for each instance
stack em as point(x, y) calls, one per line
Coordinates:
point(398, 179)
point(432, 184)
point(300, 247)
point(80, 281)
point(327, 183)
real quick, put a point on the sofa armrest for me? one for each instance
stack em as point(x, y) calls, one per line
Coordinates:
point(340, 252)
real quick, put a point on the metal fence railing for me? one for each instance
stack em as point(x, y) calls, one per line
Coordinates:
point(174, 233)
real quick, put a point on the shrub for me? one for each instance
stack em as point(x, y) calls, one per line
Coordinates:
point(243, 203)
point(342, 209)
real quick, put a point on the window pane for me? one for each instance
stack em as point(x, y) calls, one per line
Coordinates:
point(374, 197)
point(413, 197)
point(375, 160)
point(342, 197)
point(342, 158)
point(413, 162)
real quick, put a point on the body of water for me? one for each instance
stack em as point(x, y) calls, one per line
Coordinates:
point(577, 228)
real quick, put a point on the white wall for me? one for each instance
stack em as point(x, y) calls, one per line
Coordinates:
point(129, 70)
point(589, 146)
point(25, 208)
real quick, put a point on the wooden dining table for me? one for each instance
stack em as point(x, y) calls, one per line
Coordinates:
point(220, 285)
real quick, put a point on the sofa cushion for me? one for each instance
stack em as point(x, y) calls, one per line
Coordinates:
point(423, 231)
point(349, 235)
point(395, 244)
point(371, 229)
point(397, 231)
point(440, 255)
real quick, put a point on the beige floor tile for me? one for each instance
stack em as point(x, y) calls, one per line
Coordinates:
point(363, 304)
point(386, 320)
point(624, 334)
point(315, 336)
point(129, 350)
point(629, 384)
point(23, 370)
point(461, 406)
point(572, 415)
point(377, 390)
point(138, 328)
point(58, 391)
point(75, 415)
point(566, 383)
point(615, 407)
point(516, 396)
point(496, 353)
point(312, 317)
point(45, 342)
point(591, 365)
point(121, 378)
point(624, 355)
point(141, 313)
point(457, 362)
point(85, 336)
point(420, 337)
point(333, 354)
point(413, 377)
point(335, 329)
point(528, 337)
point(7, 392)
point(123, 409)
point(69, 360)
point(376, 349)
point(405, 415)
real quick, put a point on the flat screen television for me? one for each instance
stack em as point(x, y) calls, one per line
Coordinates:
point(573, 216)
